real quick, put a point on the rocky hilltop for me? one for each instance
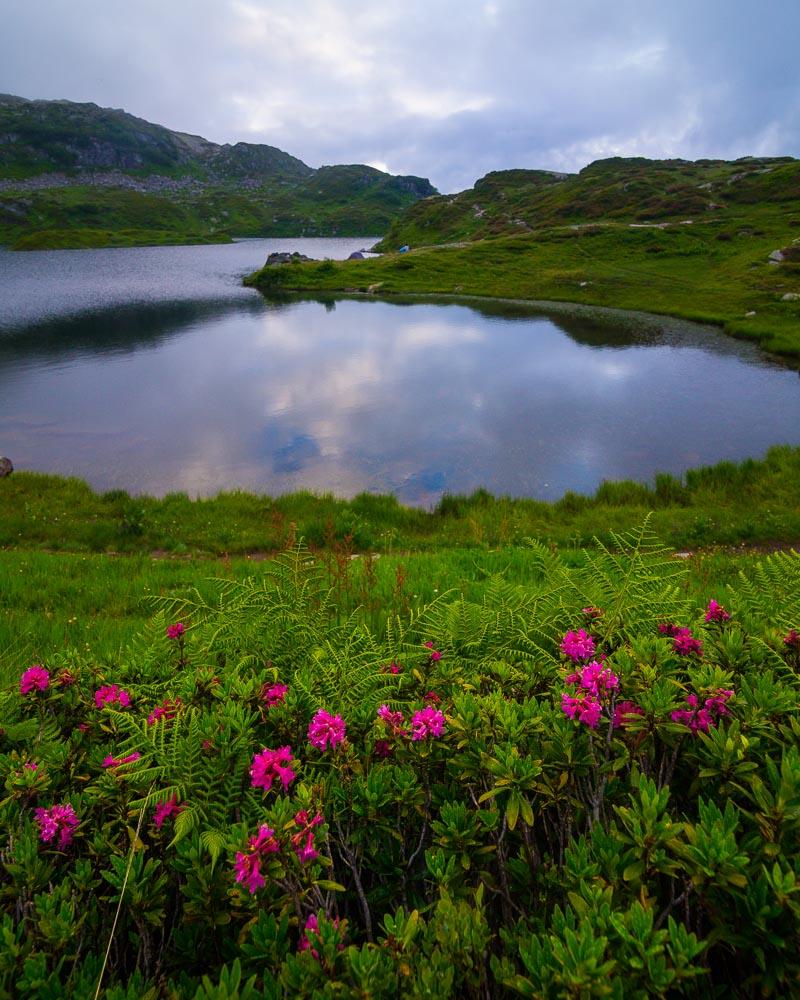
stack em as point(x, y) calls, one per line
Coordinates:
point(630, 191)
point(77, 174)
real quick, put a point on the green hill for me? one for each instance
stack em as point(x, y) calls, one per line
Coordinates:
point(80, 175)
point(636, 190)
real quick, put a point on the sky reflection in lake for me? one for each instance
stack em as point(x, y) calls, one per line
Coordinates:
point(367, 395)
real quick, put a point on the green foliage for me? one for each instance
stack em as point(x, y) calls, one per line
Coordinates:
point(519, 852)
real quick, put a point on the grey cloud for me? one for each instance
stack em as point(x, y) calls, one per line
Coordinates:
point(443, 88)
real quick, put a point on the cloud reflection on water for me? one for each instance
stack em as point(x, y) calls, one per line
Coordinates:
point(382, 397)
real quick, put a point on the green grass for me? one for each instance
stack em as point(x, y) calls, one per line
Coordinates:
point(753, 502)
point(63, 604)
point(77, 567)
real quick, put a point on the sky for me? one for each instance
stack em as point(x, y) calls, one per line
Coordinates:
point(444, 89)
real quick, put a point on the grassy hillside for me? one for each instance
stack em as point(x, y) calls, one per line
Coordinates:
point(634, 190)
point(75, 175)
point(594, 239)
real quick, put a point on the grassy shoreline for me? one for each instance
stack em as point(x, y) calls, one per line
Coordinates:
point(754, 501)
point(685, 272)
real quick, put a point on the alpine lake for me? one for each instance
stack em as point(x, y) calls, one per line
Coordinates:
point(155, 371)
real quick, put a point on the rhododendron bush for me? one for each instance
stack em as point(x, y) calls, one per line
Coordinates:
point(589, 786)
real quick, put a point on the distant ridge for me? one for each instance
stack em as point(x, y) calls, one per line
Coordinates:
point(79, 174)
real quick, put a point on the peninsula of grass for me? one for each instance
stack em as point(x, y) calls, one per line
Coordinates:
point(711, 242)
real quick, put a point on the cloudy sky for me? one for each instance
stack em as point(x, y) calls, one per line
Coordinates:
point(446, 89)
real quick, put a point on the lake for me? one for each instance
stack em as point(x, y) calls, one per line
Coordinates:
point(153, 370)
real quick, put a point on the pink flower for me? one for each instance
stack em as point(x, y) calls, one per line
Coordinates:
point(248, 864)
point(31, 765)
point(597, 679)
point(269, 765)
point(623, 712)
point(583, 707)
point(427, 722)
point(325, 729)
point(274, 694)
point(435, 654)
point(702, 719)
point(394, 720)
point(60, 821)
point(716, 612)
point(167, 810)
point(35, 678)
point(312, 927)
point(65, 679)
point(578, 645)
point(685, 644)
point(395, 668)
point(303, 842)
point(84, 727)
point(175, 631)
point(792, 639)
point(383, 749)
point(166, 710)
point(116, 761)
point(592, 612)
point(111, 694)
point(432, 698)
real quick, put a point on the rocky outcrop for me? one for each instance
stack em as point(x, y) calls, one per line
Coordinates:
point(287, 258)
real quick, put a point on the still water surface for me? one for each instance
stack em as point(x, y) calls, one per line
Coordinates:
point(153, 370)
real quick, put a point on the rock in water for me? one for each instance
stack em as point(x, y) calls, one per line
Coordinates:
point(6, 468)
point(286, 258)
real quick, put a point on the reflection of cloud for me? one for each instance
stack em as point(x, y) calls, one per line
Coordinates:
point(432, 333)
point(412, 399)
point(296, 455)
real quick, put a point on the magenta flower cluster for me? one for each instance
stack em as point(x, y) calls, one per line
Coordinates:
point(57, 822)
point(274, 694)
point(578, 645)
point(312, 927)
point(111, 694)
point(110, 761)
point(167, 710)
point(701, 719)
point(168, 809)
point(683, 642)
point(435, 655)
point(265, 842)
point(35, 678)
point(270, 766)
point(176, 631)
point(426, 723)
point(303, 840)
point(248, 863)
point(326, 731)
point(716, 612)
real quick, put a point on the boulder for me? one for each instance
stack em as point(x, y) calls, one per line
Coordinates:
point(6, 468)
point(790, 297)
point(356, 255)
point(287, 258)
